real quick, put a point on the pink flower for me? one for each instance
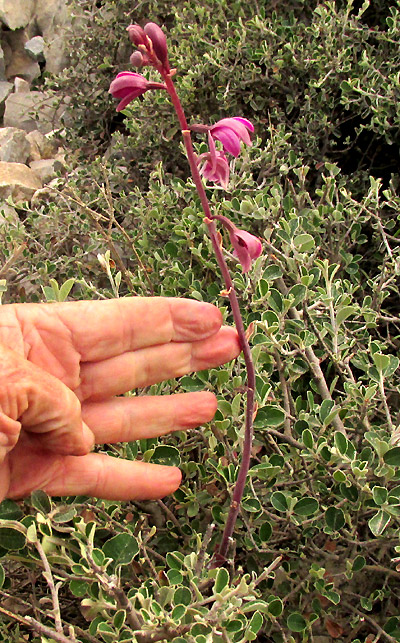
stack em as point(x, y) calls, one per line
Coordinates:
point(159, 42)
point(128, 85)
point(215, 170)
point(230, 131)
point(214, 165)
point(246, 246)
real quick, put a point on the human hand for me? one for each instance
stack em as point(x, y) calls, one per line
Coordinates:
point(61, 366)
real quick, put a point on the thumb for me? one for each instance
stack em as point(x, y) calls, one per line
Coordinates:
point(35, 401)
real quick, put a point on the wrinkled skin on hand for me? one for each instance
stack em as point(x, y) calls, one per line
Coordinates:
point(63, 368)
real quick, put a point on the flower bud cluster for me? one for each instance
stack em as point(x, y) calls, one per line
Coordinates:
point(152, 45)
point(213, 165)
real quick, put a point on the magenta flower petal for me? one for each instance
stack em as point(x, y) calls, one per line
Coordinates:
point(246, 246)
point(159, 42)
point(229, 141)
point(214, 168)
point(231, 131)
point(128, 86)
point(245, 122)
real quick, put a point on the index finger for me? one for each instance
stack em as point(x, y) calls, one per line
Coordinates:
point(102, 329)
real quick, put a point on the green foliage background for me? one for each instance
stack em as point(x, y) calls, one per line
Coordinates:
point(321, 82)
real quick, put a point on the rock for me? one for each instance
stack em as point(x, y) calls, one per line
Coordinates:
point(52, 18)
point(23, 66)
point(5, 90)
point(14, 146)
point(47, 169)
point(35, 47)
point(17, 60)
point(21, 86)
point(2, 65)
point(16, 13)
point(40, 146)
point(18, 181)
point(33, 110)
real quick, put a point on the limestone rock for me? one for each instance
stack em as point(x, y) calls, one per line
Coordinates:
point(33, 110)
point(46, 169)
point(17, 60)
point(21, 86)
point(14, 145)
point(34, 48)
point(18, 181)
point(16, 13)
point(23, 66)
point(40, 146)
point(52, 18)
point(5, 90)
point(2, 66)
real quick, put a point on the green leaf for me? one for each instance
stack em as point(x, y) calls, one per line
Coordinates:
point(304, 242)
point(296, 622)
point(307, 439)
point(79, 587)
point(256, 623)
point(66, 514)
point(358, 563)
point(41, 501)
point(174, 577)
point(279, 501)
point(221, 580)
point(272, 272)
point(12, 539)
point(334, 518)
point(275, 606)
point(174, 560)
point(9, 510)
point(119, 619)
point(381, 361)
point(345, 312)
point(379, 522)
point(306, 506)
point(275, 300)
point(325, 410)
point(166, 455)
point(182, 596)
point(341, 442)
point(379, 495)
point(178, 613)
point(2, 576)
point(122, 548)
point(65, 289)
point(268, 416)
point(265, 531)
point(392, 457)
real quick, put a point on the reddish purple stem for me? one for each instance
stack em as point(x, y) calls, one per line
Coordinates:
point(220, 555)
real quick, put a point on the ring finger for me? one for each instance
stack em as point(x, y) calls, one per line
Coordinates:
point(124, 419)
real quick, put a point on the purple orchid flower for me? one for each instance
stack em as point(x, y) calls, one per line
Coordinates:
point(214, 165)
point(230, 132)
point(215, 170)
point(128, 85)
point(246, 246)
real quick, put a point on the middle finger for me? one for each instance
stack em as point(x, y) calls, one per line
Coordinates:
point(137, 369)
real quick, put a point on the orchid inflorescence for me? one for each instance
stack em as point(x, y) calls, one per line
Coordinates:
point(230, 132)
point(151, 44)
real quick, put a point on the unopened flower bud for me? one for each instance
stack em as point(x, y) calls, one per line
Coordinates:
point(136, 59)
point(136, 35)
point(159, 42)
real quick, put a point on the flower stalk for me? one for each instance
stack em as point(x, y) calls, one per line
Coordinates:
point(230, 132)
